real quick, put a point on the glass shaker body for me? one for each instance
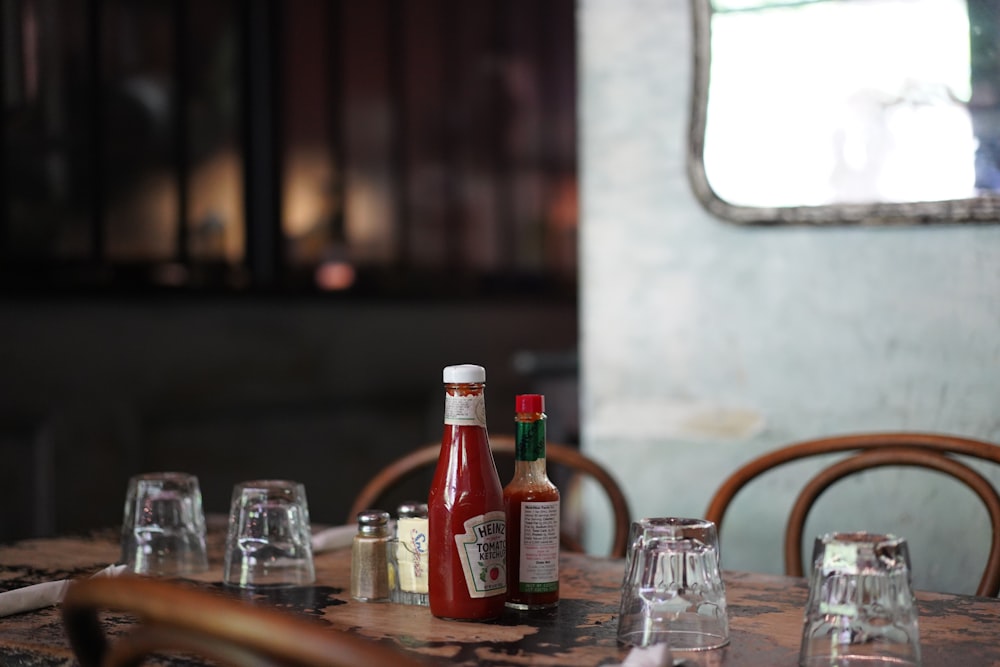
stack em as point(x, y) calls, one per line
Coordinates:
point(369, 557)
point(411, 551)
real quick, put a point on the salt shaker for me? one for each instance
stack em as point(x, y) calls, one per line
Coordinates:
point(411, 551)
point(369, 557)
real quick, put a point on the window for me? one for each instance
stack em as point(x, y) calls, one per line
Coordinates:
point(845, 111)
point(374, 148)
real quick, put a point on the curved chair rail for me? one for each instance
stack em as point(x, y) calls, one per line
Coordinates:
point(564, 455)
point(871, 450)
point(176, 617)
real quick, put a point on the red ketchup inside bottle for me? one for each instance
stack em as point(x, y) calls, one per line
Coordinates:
point(465, 511)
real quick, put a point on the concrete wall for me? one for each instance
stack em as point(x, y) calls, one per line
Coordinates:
point(704, 344)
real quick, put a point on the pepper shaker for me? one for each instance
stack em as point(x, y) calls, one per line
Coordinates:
point(369, 557)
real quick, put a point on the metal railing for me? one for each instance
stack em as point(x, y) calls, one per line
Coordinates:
point(229, 145)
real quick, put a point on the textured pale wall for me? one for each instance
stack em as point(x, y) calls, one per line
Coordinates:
point(704, 344)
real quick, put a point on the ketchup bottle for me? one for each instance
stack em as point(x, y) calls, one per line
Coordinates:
point(467, 524)
point(532, 503)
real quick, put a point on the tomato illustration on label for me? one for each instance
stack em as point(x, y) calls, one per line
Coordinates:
point(482, 550)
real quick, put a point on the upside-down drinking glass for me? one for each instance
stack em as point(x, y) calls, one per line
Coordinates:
point(861, 609)
point(163, 527)
point(672, 590)
point(268, 539)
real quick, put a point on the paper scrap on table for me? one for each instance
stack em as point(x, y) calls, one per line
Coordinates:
point(657, 655)
point(47, 594)
point(333, 538)
point(339, 537)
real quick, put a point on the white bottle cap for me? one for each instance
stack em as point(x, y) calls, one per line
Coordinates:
point(464, 373)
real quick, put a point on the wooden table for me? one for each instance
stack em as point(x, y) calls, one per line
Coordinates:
point(765, 615)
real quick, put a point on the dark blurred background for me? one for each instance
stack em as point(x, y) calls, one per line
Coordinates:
point(241, 239)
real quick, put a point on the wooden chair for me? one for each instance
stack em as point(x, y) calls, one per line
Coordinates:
point(874, 450)
point(555, 454)
point(175, 618)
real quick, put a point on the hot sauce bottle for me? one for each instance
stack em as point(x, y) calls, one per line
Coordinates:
point(465, 509)
point(532, 504)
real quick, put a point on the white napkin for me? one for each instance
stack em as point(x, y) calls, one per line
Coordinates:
point(45, 594)
point(657, 655)
point(339, 537)
point(51, 593)
point(334, 538)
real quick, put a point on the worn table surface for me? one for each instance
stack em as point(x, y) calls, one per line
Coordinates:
point(765, 615)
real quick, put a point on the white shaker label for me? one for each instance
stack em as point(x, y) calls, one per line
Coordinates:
point(411, 554)
point(482, 550)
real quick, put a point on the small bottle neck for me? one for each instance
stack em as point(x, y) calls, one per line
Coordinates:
point(464, 388)
point(531, 470)
point(529, 437)
point(465, 404)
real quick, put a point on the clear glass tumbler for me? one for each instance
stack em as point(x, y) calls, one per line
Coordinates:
point(672, 591)
point(268, 537)
point(861, 609)
point(163, 528)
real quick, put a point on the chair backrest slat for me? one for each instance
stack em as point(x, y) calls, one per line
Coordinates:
point(556, 453)
point(871, 450)
point(177, 617)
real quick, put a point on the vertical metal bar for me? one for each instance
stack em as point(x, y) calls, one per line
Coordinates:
point(557, 83)
point(182, 91)
point(451, 22)
point(499, 122)
point(9, 32)
point(338, 151)
point(399, 138)
point(98, 173)
point(261, 141)
point(545, 49)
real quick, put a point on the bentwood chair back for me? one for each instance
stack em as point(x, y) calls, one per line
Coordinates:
point(556, 455)
point(872, 450)
point(175, 618)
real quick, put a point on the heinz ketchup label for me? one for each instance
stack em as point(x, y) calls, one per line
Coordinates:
point(482, 550)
